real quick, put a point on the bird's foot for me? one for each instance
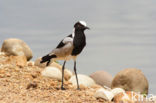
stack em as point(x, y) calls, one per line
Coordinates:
point(78, 88)
point(62, 88)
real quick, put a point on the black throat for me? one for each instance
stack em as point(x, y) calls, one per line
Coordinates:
point(79, 41)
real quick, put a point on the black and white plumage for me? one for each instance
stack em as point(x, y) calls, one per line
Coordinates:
point(69, 48)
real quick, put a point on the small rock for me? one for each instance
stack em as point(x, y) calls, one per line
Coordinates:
point(43, 65)
point(122, 98)
point(37, 63)
point(2, 53)
point(131, 80)
point(57, 65)
point(154, 99)
point(102, 78)
point(96, 86)
point(31, 85)
point(129, 97)
point(116, 91)
point(83, 79)
point(35, 75)
point(67, 72)
point(16, 47)
point(107, 88)
point(30, 63)
point(105, 94)
point(82, 87)
point(52, 72)
point(17, 60)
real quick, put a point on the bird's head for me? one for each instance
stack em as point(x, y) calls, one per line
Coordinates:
point(81, 25)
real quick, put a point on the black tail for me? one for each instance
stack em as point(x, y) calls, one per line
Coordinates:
point(47, 58)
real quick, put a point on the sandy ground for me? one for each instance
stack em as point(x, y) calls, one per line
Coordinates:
point(24, 84)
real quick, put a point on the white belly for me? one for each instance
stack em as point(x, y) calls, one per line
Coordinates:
point(65, 58)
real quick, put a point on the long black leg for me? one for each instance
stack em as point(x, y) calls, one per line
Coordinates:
point(63, 75)
point(78, 88)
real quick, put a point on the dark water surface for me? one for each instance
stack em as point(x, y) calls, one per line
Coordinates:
point(122, 35)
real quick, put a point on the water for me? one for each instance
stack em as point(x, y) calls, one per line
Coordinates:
point(122, 35)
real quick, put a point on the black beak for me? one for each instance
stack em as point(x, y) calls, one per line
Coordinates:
point(87, 28)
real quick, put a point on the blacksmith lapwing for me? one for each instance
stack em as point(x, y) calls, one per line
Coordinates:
point(69, 48)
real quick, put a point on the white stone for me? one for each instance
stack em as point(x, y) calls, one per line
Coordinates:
point(125, 97)
point(2, 53)
point(152, 98)
point(116, 91)
point(1, 65)
point(83, 79)
point(37, 63)
point(70, 74)
point(105, 94)
point(16, 47)
point(107, 88)
point(30, 63)
point(52, 72)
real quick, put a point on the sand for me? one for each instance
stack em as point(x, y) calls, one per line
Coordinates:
point(24, 84)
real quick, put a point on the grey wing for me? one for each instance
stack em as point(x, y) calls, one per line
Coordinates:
point(64, 48)
point(65, 40)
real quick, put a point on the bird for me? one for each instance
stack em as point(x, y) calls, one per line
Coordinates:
point(69, 48)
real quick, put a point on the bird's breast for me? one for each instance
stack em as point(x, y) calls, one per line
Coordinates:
point(78, 44)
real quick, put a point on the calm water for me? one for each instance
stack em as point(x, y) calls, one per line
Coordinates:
point(122, 35)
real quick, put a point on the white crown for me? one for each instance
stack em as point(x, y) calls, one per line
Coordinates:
point(83, 23)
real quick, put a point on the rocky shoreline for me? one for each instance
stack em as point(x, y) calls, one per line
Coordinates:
point(25, 81)
point(24, 84)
